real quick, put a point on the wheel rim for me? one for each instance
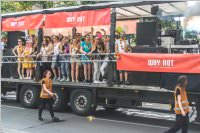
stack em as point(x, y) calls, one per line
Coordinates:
point(28, 96)
point(81, 102)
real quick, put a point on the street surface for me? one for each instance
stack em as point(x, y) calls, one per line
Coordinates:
point(17, 119)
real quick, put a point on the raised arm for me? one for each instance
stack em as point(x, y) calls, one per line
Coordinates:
point(14, 50)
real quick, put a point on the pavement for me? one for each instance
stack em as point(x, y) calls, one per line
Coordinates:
point(16, 119)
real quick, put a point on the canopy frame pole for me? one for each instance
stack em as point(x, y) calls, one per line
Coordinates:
point(111, 65)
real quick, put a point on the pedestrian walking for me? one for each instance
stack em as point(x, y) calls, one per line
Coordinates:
point(46, 96)
point(181, 106)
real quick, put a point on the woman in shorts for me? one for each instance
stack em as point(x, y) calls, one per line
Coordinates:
point(86, 47)
point(75, 60)
point(17, 51)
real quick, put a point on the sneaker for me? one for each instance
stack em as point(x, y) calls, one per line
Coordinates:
point(77, 81)
point(127, 82)
point(95, 81)
point(58, 78)
point(63, 79)
point(55, 119)
point(68, 80)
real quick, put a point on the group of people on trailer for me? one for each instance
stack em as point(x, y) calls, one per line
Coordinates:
point(71, 58)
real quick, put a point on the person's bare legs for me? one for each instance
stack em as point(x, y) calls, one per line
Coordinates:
point(27, 73)
point(126, 76)
point(72, 71)
point(121, 76)
point(89, 72)
point(31, 73)
point(77, 72)
point(19, 70)
point(23, 73)
point(85, 72)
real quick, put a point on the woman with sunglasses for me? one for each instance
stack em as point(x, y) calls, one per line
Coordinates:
point(17, 51)
point(28, 64)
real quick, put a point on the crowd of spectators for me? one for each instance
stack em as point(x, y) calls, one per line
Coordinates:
point(75, 58)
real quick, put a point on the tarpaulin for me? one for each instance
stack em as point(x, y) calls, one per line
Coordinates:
point(78, 19)
point(174, 63)
point(22, 23)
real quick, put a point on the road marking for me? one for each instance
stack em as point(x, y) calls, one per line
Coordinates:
point(132, 123)
point(13, 107)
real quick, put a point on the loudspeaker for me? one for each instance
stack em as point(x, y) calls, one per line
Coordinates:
point(147, 33)
point(13, 36)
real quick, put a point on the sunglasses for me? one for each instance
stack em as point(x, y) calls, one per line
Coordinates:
point(19, 41)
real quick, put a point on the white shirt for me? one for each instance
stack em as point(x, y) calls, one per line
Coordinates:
point(121, 46)
point(56, 49)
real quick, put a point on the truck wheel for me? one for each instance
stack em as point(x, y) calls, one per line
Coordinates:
point(29, 96)
point(81, 101)
point(60, 102)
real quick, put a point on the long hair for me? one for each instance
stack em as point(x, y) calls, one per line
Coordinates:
point(181, 80)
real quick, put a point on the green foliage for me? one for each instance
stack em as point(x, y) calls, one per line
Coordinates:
point(18, 6)
point(11, 6)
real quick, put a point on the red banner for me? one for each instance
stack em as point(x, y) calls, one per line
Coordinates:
point(78, 19)
point(22, 23)
point(174, 63)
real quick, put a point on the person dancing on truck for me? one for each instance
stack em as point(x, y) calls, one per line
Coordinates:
point(181, 106)
point(74, 50)
point(120, 47)
point(17, 51)
point(46, 96)
point(97, 48)
point(86, 47)
point(56, 51)
point(104, 65)
point(28, 64)
point(65, 66)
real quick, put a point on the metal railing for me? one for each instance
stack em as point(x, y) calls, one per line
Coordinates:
point(61, 58)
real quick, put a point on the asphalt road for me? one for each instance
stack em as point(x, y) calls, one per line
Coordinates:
point(16, 119)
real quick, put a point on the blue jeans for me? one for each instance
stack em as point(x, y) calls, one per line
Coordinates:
point(65, 69)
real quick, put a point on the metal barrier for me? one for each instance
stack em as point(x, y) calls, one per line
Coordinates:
point(111, 57)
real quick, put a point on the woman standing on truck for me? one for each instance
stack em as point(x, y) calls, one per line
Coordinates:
point(46, 96)
point(57, 50)
point(121, 47)
point(181, 106)
point(86, 47)
point(17, 51)
point(74, 50)
point(97, 48)
point(28, 64)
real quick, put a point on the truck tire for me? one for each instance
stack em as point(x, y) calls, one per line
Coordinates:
point(29, 96)
point(60, 102)
point(81, 101)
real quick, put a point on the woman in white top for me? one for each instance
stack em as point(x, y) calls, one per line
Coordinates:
point(57, 50)
point(44, 54)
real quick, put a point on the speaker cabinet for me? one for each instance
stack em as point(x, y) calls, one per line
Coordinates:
point(147, 33)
